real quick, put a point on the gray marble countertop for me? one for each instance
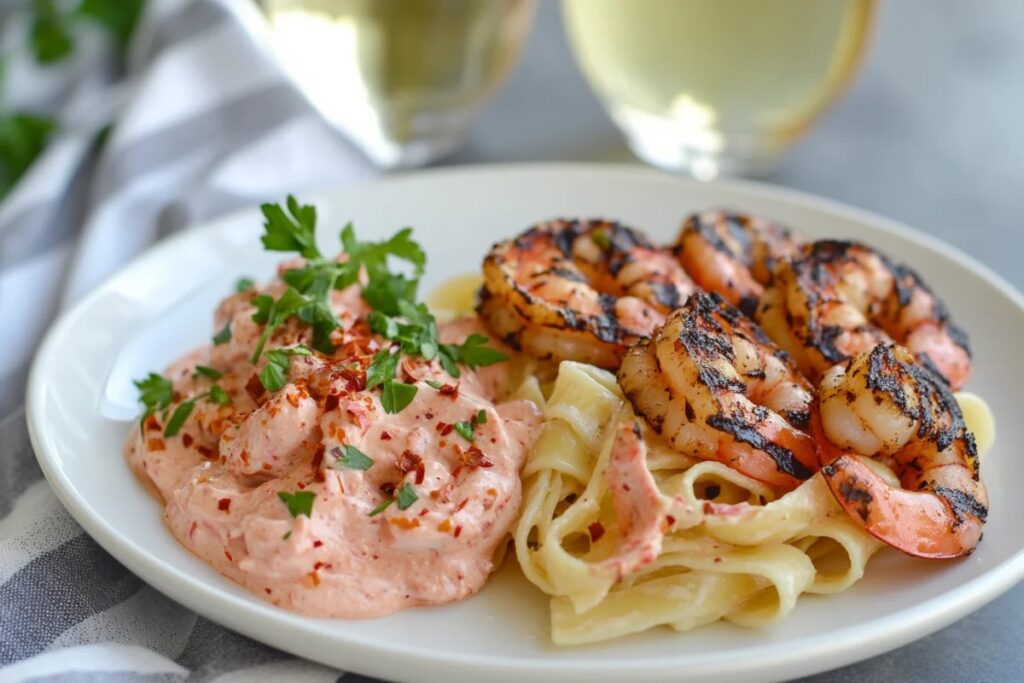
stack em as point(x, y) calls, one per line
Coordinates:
point(929, 134)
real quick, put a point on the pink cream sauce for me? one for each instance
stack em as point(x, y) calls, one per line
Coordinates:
point(220, 475)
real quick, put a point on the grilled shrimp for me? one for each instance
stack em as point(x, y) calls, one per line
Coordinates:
point(715, 387)
point(837, 299)
point(883, 404)
point(733, 254)
point(579, 290)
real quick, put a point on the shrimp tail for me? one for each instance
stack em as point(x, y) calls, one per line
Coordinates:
point(919, 523)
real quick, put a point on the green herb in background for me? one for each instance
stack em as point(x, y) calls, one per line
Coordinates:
point(23, 135)
point(22, 139)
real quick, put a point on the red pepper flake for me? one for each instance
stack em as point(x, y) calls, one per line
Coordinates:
point(155, 444)
point(451, 390)
point(331, 403)
point(424, 511)
point(244, 456)
point(411, 462)
point(428, 416)
point(596, 531)
point(444, 428)
point(317, 566)
point(205, 451)
point(224, 504)
point(186, 440)
point(473, 457)
point(254, 387)
point(266, 466)
point(670, 519)
point(384, 436)
point(461, 505)
point(708, 508)
point(268, 591)
point(318, 457)
point(228, 555)
point(152, 424)
point(458, 531)
point(404, 522)
point(300, 485)
point(317, 543)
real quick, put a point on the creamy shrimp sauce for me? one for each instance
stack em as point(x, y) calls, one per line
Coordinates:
point(315, 496)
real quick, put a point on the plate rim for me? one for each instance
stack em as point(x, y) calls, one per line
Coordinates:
point(837, 648)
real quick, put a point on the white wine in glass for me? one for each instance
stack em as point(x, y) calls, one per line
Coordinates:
point(714, 87)
point(403, 78)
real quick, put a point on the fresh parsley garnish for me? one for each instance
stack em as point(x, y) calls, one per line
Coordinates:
point(382, 507)
point(279, 362)
point(434, 384)
point(244, 284)
point(179, 416)
point(155, 393)
point(396, 396)
point(272, 313)
point(51, 38)
point(206, 371)
point(299, 503)
point(351, 458)
point(294, 232)
point(224, 336)
point(467, 428)
point(406, 496)
point(219, 396)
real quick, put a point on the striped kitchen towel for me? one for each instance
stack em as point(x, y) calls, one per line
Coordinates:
point(203, 122)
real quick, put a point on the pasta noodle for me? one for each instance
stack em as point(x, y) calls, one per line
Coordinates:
point(746, 557)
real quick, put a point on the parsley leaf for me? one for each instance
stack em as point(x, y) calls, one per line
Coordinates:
point(273, 313)
point(219, 396)
point(295, 232)
point(465, 429)
point(205, 371)
point(244, 284)
point(382, 507)
point(406, 497)
point(396, 396)
point(472, 352)
point(299, 503)
point(179, 416)
point(155, 392)
point(382, 369)
point(279, 362)
point(351, 459)
point(224, 336)
point(433, 384)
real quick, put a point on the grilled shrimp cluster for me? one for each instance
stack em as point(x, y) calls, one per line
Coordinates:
point(579, 290)
point(717, 385)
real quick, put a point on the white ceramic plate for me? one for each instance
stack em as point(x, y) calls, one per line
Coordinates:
point(80, 396)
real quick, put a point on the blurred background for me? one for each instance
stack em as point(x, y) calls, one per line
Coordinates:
point(122, 121)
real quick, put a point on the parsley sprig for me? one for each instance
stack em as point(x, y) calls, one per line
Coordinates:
point(406, 497)
point(157, 392)
point(467, 428)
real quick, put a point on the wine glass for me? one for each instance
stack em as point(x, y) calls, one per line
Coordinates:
point(711, 87)
point(402, 78)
